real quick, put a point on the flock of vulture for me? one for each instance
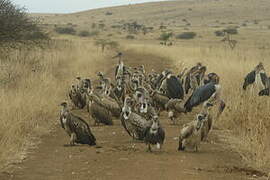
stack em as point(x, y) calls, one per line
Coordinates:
point(137, 98)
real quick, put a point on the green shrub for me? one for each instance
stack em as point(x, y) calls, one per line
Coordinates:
point(36, 35)
point(130, 37)
point(231, 30)
point(165, 36)
point(84, 33)
point(186, 35)
point(219, 33)
point(16, 27)
point(65, 30)
point(109, 13)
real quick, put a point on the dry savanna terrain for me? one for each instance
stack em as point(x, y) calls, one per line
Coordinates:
point(33, 82)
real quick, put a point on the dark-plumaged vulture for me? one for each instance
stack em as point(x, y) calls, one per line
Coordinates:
point(174, 88)
point(154, 135)
point(76, 127)
point(211, 77)
point(200, 95)
point(249, 79)
point(259, 76)
point(264, 92)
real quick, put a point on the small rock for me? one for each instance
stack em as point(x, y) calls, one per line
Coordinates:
point(73, 173)
point(113, 133)
point(70, 156)
point(175, 138)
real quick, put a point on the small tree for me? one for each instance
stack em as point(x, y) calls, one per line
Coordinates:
point(103, 43)
point(65, 30)
point(130, 36)
point(16, 27)
point(231, 30)
point(84, 33)
point(165, 36)
point(186, 35)
point(219, 33)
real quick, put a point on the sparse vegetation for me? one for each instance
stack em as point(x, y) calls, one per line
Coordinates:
point(165, 36)
point(84, 33)
point(186, 35)
point(231, 30)
point(65, 30)
point(130, 36)
point(108, 13)
point(103, 43)
point(219, 33)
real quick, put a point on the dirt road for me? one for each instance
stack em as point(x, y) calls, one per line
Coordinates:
point(122, 158)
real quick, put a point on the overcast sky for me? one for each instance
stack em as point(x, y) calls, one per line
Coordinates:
point(68, 6)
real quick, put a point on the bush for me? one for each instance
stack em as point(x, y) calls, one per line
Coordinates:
point(37, 35)
point(65, 30)
point(219, 33)
point(130, 37)
point(16, 26)
point(165, 36)
point(84, 34)
point(108, 13)
point(186, 35)
point(231, 30)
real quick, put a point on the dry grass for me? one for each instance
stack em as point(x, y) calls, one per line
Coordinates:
point(33, 83)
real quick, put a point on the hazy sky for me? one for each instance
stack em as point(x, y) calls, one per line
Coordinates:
point(68, 6)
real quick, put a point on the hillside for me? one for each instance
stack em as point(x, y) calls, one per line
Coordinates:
point(197, 12)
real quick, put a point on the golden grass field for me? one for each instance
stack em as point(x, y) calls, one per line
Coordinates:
point(34, 82)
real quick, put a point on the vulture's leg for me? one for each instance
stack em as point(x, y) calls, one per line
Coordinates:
point(72, 139)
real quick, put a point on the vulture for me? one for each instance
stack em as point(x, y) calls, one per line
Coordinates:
point(134, 124)
point(174, 88)
point(211, 77)
point(99, 113)
point(264, 92)
point(154, 135)
point(175, 108)
point(191, 134)
point(258, 76)
point(207, 125)
point(76, 127)
point(159, 100)
point(249, 79)
point(201, 94)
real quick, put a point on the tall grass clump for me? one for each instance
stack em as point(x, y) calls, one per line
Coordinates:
point(32, 84)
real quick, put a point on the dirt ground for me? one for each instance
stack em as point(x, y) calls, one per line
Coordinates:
point(122, 158)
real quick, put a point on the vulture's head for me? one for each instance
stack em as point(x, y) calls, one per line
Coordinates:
point(200, 120)
point(64, 104)
point(154, 126)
